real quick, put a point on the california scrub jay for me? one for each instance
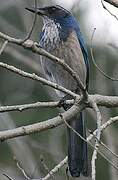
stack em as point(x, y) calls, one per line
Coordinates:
point(61, 36)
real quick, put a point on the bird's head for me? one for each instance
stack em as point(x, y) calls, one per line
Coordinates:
point(56, 13)
point(52, 12)
point(57, 16)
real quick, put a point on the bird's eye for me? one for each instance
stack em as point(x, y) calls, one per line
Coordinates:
point(53, 8)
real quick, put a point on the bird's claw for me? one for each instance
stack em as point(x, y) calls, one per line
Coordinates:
point(62, 103)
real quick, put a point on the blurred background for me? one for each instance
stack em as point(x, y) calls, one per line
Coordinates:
point(51, 144)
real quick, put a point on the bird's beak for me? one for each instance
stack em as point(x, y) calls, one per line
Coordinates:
point(38, 11)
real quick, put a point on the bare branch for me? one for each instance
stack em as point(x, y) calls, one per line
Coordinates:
point(33, 105)
point(33, 23)
point(94, 147)
point(42, 126)
point(65, 160)
point(4, 174)
point(94, 156)
point(104, 126)
point(46, 168)
point(108, 101)
point(109, 10)
point(56, 168)
point(113, 2)
point(22, 170)
point(51, 123)
point(37, 78)
point(94, 62)
point(10, 39)
point(3, 47)
point(104, 145)
point(33, 46)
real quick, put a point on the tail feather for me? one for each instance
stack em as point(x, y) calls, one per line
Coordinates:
point(77, 148)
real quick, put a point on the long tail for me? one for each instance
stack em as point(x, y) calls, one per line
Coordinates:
point(77, 148)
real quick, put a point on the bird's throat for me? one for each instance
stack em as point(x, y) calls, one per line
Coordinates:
point(50, 36)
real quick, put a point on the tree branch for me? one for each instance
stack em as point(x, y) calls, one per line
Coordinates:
point(33, 23)
point(94, 156)
point(8, 177)
point(42, 126)
point(109, 10)
point(22, 170)
point(98, 132)
point(33, 46)
point(113, 2)
point(36, 78)
point(108, 101)
point(33, 105)
point(56, 168)
point(93, 59)
point(3, 47)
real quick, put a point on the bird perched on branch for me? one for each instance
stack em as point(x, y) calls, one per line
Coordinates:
point(61, 36)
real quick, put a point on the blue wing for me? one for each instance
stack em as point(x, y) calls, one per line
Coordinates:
point(84, 51)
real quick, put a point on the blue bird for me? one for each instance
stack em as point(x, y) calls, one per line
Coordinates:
point(61, 36)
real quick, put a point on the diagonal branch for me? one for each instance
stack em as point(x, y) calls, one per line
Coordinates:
point(94, 147)
point(41, 126)
point(22, 170)
point(56, 168)
point(33, 46)
point(104, 145)
point(33, 23)
point(8, 177)
point(36, 78)
point(3, 47)
point(109, 10)
point(113, 2)
point(93, 59)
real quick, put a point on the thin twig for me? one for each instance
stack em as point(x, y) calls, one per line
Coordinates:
point(56, 168)
point(104, 126)
point(103, 144)
point(33, 105)
point(22, 170)
point(33, 23)
point(6, 175)
point(113, 2)
point(37, 78)
point(46, 105)
point(41, 126)
point(108, 101)
point(94, 62)
point(46, 168)
point(94, 156)
point(109, 11)
point(3, 47)
point(88, 141)
point(54, 122)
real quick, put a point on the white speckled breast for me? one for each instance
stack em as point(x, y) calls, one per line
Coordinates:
point(50, 38)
